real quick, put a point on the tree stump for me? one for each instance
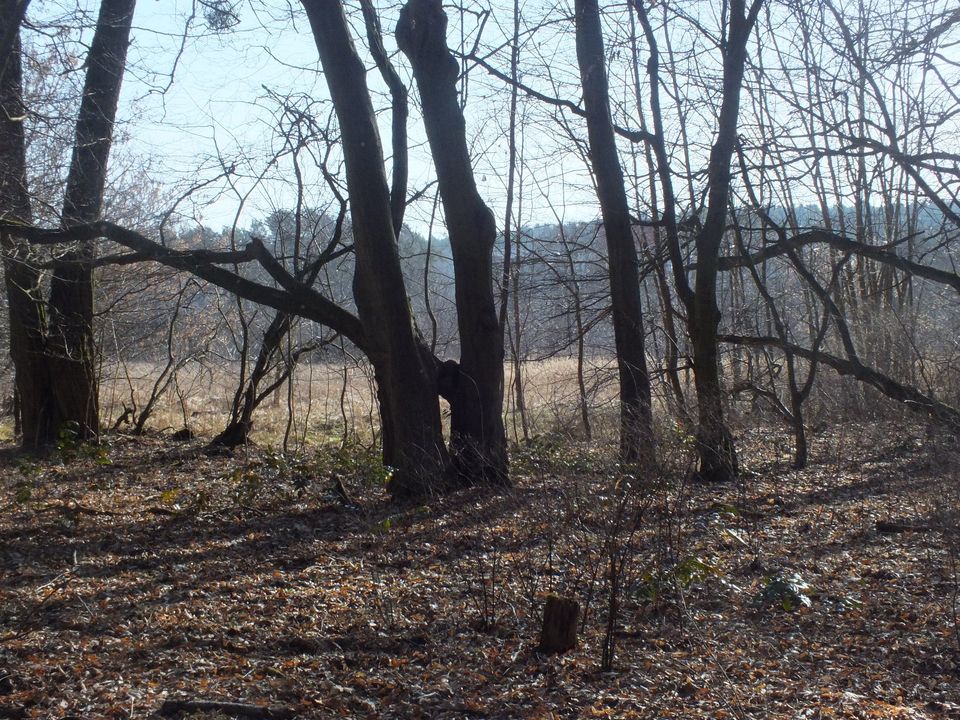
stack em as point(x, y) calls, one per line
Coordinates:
point(559, 632)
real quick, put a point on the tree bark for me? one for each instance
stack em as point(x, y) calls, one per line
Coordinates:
point(636, 422)
point(22, 279)
point(475, 386)
point(408, 384)
point(718, 455)
point(559, 630)
point(71, 351)
point(399, 107)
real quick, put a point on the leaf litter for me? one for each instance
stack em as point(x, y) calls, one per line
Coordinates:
point(169, 573)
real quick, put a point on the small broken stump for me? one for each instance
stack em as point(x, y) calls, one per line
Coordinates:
point(559, 632)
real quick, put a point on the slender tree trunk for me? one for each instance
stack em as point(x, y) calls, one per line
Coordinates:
point(672, 340)
point(517, 344)
point(399, 111)
point(237, 431)
point(572, 283)
point(718, 456)
point(478, 438)
point(70, 342)
point(407, 382)
point(636, 423)
point(800, 447)
point(510, 275)
point(21, 277)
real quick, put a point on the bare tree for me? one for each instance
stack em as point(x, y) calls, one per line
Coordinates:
point(59, 389)
point(636, 421)
point(20, 274)
point(718, 457)
point(413, 442)
point(474, 386)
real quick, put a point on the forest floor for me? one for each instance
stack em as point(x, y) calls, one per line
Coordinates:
point(147, 570)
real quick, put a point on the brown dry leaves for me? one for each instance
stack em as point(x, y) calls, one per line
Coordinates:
point(173, 574)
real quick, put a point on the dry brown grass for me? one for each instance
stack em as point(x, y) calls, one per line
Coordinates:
point(551, 394)
point(330, 402)
point(327, 401)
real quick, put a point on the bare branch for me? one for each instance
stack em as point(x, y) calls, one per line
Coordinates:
point(295, 297)
point(846, 245)
point(910, 396)
point(634, 136)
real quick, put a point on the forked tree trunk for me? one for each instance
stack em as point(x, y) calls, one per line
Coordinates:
point(21, 278)
point(474, 387)
point(407, 381)
point(71, 352)
point(717, 453)
point(636, 423)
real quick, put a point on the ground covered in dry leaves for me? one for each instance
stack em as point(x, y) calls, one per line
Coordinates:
point(149, 570)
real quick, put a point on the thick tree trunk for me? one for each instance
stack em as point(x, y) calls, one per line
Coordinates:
point(716, 449)
point(636, 424)
point(409, 391)
point(71, 351)
point(12, 12)
point(475, 387)
point(22, 279)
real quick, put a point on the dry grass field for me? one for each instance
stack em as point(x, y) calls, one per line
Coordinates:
point(330, 402)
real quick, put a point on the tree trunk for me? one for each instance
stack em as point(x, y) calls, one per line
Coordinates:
point(71, 351)
point(672, 341)
point(237, 431)
point(717, 453)
point(718, 456)
point(408, 384)
point(21, 277)
point(478, 438)
point(800, 451)
point(636, 423)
